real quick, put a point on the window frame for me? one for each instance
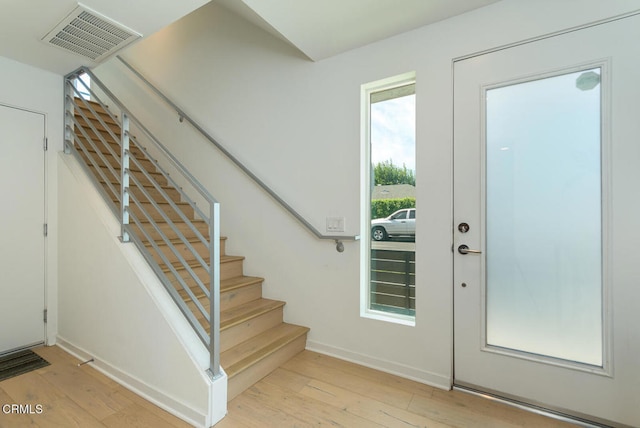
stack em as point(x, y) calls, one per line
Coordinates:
point(366, 178)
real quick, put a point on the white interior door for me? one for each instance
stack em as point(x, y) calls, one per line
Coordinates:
point(21, 228)
point(547, 196)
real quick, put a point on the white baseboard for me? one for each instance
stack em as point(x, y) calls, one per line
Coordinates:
point(165, 402)
point(412, 373)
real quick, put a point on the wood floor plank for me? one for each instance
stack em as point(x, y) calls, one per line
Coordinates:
point(398, 382)
point(500, 412)
point(366, 387)
point(288, 379)
point(65, 413)
point(86, 391)
point(372, 410)
point(163, 414)
point(252, 413)
point(31, 388)
point(304, 408)
point(73, 396)
point(135, 416)
point(12, 420)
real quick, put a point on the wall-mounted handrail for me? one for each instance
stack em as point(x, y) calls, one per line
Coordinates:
point(184, 116)
point(131, 154)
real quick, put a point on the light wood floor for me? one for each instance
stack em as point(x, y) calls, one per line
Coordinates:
point(317, 390)
point(309, 390)
point(81, 397)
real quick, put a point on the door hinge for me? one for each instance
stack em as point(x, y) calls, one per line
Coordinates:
point(46, 229)
point(45, 315)
point(46, 143)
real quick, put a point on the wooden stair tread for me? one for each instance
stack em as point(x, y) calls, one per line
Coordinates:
point(238, 282)
point(194, 264)
point(178, 203)
point(173, 241)
point(194, 221)
point(226, 285)
point(247, 311)
point(250, 352)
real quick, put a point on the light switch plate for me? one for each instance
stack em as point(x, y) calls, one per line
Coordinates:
point(335, 224)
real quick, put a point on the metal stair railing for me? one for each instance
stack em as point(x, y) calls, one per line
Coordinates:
point(125, 180)
point(184, 116)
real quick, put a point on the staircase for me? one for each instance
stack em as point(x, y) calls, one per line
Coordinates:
point(254, 340)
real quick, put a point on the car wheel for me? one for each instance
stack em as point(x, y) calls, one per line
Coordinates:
point(379, 234)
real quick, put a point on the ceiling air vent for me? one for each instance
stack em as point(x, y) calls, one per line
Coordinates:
point(90, 34)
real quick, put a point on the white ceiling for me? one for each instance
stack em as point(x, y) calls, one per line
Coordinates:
point(323, 28)
point(318, 28)
point(23, 23)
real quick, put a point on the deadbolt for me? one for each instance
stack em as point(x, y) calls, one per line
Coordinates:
point(463, 227)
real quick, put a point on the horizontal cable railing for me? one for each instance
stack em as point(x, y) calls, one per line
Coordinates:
point(179, 239)
point(184, 116)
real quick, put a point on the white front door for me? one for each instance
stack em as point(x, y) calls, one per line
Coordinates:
point(21, 228)
point(547, 198)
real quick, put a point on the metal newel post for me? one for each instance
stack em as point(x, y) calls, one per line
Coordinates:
point(124, 182)
point(69, 110)
point(214, 288)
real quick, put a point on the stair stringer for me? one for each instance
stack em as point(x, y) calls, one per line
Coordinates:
point(114, 309)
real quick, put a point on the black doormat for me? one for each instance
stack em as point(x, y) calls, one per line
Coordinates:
point(19, 363)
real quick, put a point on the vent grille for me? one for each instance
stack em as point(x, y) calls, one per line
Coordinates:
point(90, 34)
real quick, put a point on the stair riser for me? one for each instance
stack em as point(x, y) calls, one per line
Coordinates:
point(234, 298)
point(156, 195)
point(239, 333)
point(97, 108)
point(182, 227)
point(97, 125)
point(113, 147)
point(141, 178)
point(229, 299)
point(227, 270)
point(97, 138)
point(181, 249)
point(253, 374)
point(137, 193)
point(115, 162)
point(231, 269)
point(168, 211)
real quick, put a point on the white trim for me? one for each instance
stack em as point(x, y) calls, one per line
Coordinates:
point(547, 35)
point(428, 378)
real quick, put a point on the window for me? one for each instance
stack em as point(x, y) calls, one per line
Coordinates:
point(83, 89)
point(388, 200)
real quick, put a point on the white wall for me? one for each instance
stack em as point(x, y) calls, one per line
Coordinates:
point(41, 91)
point(114, 309)
point(296, 124)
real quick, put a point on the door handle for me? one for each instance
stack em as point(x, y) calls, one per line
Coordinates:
point(463, 249)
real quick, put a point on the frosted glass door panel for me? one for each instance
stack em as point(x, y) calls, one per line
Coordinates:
point(544, 217)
